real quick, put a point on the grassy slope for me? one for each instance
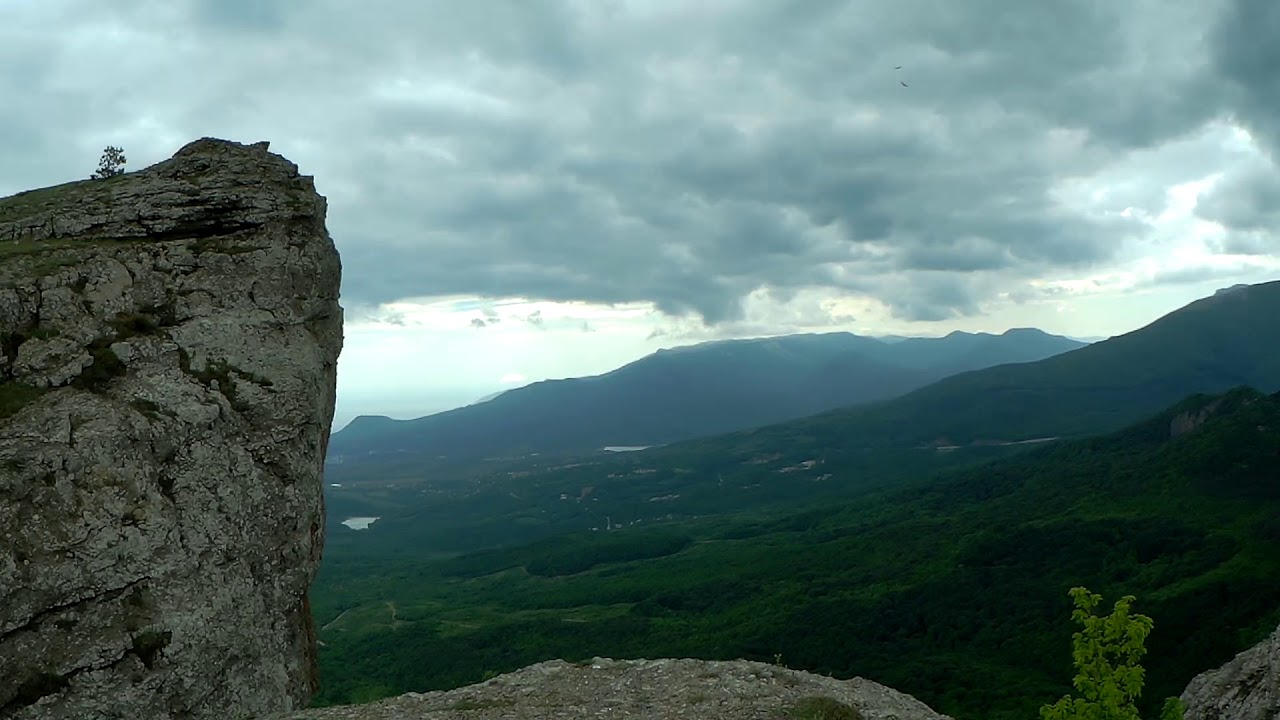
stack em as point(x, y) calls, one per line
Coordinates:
point(954, 590)
point(44, 201)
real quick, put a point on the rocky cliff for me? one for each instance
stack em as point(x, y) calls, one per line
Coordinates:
point(645, 690)
point(168, 345)
point(1246, 688)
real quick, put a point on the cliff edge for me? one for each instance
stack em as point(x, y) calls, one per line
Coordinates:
point(168, 348)
point(1245, 688)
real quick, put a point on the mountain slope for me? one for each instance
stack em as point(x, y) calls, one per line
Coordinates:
point(693, 391)
point(1208, 346)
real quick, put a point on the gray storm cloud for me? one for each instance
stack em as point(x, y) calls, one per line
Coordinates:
point(685, 154)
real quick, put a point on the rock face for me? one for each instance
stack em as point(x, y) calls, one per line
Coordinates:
point(1246, 688)
point(169, 342)
point(643, 689)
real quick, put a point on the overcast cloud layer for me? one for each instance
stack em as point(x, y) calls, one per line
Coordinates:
point(689, 154)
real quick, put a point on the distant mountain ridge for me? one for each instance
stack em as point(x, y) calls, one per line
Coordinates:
point(1216, 343)
point(695, 391)
point(488, 397)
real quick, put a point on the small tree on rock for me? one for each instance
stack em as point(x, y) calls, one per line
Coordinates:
point(110, 164)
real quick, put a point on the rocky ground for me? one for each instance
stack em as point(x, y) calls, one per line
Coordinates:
point(1246, 688)
point(648, 690)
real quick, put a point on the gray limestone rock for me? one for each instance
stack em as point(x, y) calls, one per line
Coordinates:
point(169, 341)
point(1246, 688)
point(640, 690)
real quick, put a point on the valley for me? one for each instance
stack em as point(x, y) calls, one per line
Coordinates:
point(918, 586)
point(926, 542)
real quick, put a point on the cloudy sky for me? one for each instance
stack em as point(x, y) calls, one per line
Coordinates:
point(524, 189)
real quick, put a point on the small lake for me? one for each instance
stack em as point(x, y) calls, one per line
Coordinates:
point(359, 523)
point(626, 448)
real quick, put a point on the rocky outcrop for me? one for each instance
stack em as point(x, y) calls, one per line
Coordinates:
point(1246, 688)
point(1203, 408)
point(1189, 421)
point(168, 345)
point(645, 690)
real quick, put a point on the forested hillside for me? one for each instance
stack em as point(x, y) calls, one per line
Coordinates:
point(952, 589)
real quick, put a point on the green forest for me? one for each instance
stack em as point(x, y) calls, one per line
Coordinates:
point(948, 585)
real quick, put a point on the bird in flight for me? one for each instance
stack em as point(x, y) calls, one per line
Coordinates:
point(902, 83)
point(898, 67)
